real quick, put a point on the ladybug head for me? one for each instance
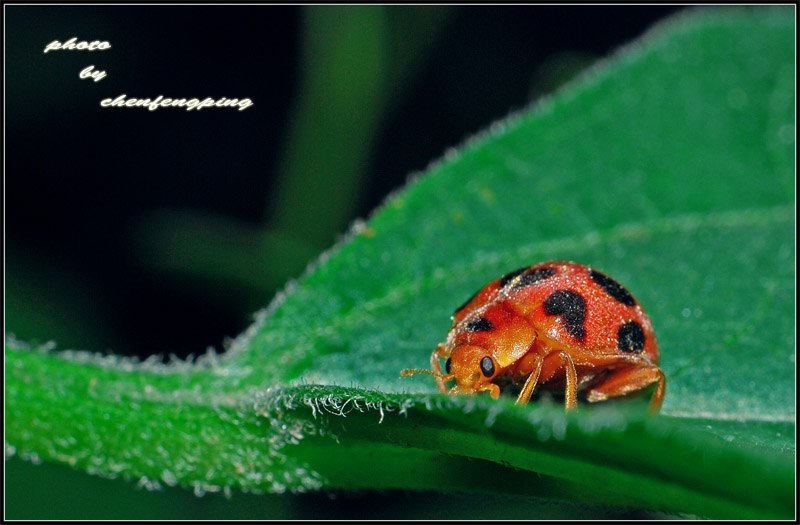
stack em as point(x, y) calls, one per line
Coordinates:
point(473, 368)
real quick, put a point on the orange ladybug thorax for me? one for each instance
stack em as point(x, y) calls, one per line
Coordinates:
point(500, 329)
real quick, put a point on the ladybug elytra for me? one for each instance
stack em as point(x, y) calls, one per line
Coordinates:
point(556, 325)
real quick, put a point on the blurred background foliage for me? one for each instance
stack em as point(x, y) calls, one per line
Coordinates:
point(146, 233)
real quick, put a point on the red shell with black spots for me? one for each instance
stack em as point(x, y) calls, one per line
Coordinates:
point(561, 325)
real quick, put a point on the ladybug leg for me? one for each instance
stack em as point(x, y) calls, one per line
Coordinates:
point(571, 392)
point(437, 368)
point(658, 395)
point(493, 390)
point(530, 383)
point(631, 379)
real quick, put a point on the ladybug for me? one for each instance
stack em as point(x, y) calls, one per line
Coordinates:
point(559, 325)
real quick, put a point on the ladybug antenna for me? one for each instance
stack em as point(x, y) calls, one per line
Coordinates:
point(412, 371)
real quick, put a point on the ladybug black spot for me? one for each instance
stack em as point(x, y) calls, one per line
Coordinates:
point(507, 278)
point(571, 307)
point(630, 337)
point(481, 324)
point(612, 287)
point(487, 366)
point(534, 277)
point(528, 278)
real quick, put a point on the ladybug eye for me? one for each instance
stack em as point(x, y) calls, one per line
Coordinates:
point(487, 366)
point(447, 366)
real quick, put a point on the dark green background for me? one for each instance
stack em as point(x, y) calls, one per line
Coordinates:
point(92, 191)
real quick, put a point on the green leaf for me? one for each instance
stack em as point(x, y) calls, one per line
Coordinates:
point(669, 166)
